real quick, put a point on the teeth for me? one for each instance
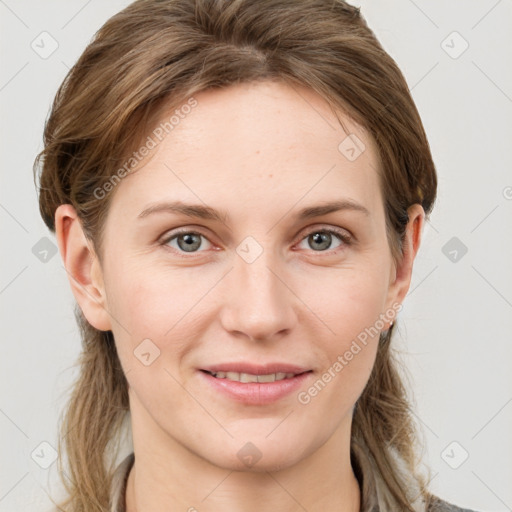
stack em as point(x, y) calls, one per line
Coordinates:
point(267, 378)
point(247, 377)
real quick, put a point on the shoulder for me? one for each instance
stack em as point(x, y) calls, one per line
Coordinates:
point(438, 505)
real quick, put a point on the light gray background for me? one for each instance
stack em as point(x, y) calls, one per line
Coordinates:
point(456, 323)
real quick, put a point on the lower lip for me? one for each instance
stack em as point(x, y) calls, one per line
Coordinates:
point(256, 393)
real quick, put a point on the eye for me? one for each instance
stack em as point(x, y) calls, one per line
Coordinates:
point(185, 241)
point(321, 239)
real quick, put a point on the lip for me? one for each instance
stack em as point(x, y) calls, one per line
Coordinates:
point(254, 369)
point(256, 393)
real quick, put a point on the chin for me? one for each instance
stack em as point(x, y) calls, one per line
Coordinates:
point(264, 465)
point(259, 455)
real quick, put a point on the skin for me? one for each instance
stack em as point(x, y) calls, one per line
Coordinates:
point(260, 152)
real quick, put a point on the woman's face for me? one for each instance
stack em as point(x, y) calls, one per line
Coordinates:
point(249, 273)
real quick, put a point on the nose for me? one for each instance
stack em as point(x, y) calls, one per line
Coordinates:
point(259, 303)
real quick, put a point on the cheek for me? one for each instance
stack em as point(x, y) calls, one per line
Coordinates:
point(351, 309)
point(150, 310)
point(151, 302)
point(348, 303)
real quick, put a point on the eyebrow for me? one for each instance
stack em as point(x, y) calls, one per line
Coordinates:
point(206, 212)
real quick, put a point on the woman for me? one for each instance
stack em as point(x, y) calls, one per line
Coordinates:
point(238, 191)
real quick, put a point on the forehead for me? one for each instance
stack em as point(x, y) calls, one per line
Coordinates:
point(258, 139)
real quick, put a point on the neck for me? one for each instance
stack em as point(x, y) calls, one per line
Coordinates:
point(177, 479)
point(245, 493)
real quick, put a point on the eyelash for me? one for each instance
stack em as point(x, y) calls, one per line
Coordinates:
point(342, 235)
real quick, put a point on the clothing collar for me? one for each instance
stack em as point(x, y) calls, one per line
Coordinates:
point(119, 480)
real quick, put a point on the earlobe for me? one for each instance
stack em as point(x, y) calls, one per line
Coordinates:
point(82, 267)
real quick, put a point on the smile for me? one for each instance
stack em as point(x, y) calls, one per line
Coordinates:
point(254, 389)
point(248, 377)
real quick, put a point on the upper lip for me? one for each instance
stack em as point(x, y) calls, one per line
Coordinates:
point(256, 369)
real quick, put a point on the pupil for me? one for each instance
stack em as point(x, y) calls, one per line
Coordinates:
point(190, 242)
point(325, 237)
point(187, 242)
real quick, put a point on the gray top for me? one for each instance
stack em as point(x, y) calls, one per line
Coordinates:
point(374, 497)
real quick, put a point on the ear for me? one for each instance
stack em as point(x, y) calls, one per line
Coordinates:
point(82, 266)
point(401, 275)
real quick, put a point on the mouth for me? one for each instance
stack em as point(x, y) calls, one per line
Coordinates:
point(255, 385)
point(250, 377)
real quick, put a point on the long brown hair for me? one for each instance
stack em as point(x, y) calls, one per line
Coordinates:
point(157, 53)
